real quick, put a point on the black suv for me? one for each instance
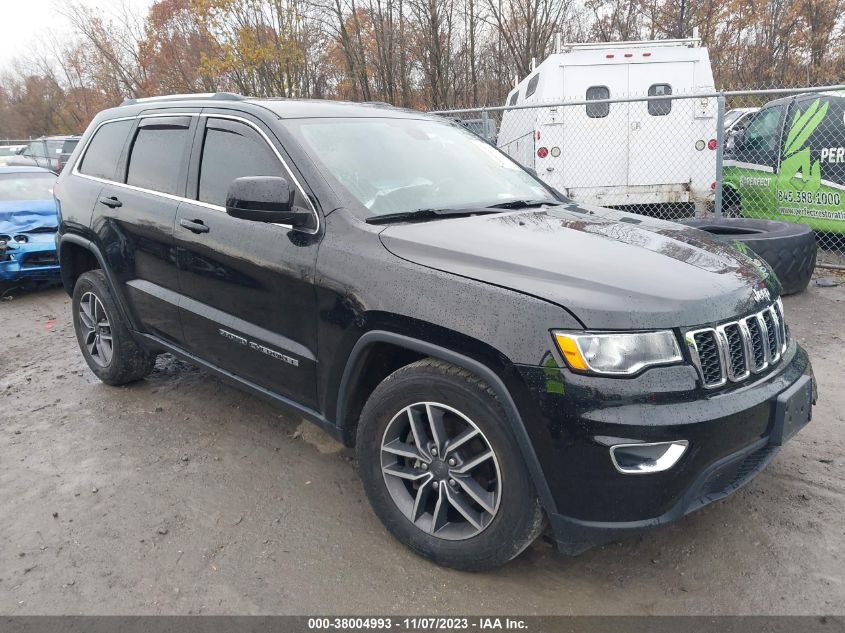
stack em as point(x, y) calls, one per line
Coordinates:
point(499, 356)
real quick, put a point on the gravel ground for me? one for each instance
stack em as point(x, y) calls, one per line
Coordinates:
point(181, 495)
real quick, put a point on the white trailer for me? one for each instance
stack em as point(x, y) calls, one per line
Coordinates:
point(618, 153)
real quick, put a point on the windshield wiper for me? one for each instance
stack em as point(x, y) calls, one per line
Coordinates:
point(420, 215)
point(524, 204)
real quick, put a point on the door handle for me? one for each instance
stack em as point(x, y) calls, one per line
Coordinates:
point(110, 201)
point(195, 226)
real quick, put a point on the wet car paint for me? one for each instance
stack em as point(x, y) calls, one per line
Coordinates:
point(611, 269)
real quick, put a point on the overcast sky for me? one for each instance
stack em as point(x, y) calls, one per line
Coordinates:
point(23, 23)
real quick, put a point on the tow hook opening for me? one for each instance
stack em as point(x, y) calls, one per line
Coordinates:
point(647, 458)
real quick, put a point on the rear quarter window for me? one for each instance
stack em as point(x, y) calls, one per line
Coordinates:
point(103, 152)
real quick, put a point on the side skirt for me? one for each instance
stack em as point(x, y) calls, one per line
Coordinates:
point(156, 343)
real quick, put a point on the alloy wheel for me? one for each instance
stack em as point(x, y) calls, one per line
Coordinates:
point(96, 329)
point(441, 471)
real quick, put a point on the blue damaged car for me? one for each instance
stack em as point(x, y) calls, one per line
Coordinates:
point(28, 223)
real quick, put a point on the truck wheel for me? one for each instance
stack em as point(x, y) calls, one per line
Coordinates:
point(731, 203)
point(110, 351)
point(789, 248)
point(442, 471)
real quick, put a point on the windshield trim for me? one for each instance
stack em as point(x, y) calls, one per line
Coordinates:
point(346, 199)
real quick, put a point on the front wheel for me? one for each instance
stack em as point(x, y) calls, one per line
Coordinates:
point(442, 470)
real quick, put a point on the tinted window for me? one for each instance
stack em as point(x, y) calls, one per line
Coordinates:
point(69, 145)
point(54, 148)
point(662, 107)
point(598, 110)
point(104, 150)
point(158, 155)
point(232, 150)
point(532, 85)
point(514, 97)
point(762, 131)
point(759, 144)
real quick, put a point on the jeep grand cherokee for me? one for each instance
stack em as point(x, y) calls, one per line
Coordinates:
point(499, 356)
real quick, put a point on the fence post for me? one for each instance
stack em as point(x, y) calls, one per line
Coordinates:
point(484, 125)
point(720, 146)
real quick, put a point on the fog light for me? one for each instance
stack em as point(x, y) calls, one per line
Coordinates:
point(646, 458)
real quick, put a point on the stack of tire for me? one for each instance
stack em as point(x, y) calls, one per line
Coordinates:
point(790, 249)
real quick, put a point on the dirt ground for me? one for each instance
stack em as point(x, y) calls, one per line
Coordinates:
point(182, 495)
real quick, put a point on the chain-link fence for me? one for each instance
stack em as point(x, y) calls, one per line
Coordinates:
point(768, 154)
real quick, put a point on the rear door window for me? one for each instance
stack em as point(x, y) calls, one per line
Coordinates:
point(158, 155)
point(598, 110)
point(660, 107)
point(100, 159)
point(232, 150)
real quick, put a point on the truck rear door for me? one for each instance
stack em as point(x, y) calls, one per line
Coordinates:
point(660, 143)
point(599, 130)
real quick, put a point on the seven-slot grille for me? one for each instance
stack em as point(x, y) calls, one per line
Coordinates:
point(735, 350)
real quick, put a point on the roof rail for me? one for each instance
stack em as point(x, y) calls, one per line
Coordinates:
point(691, 42)
point(217, 96)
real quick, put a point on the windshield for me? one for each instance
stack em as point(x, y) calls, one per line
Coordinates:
point(31, 186)
point(402, 165)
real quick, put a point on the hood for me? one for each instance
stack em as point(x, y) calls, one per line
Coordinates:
point(611, 269)
point(22, 216)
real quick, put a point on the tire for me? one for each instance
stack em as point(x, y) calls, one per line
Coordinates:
point(731, 203)
point(96, 317)
point(487, 514)
point(789, 248)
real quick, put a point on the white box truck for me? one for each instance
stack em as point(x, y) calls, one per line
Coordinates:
point(624, 154)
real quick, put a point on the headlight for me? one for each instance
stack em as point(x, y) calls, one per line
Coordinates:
point(618, 354)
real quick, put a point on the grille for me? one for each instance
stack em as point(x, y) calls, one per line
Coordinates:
point(40, 259)
point(708, 355)
point(758, 353)
point(736, 350)
point(733, 351)
point(726, 480)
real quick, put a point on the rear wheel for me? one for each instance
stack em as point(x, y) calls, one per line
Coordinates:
point(110, 351)
point(442, 470)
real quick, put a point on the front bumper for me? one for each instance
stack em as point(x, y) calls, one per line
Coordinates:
point(35, 260)
point(574, 419)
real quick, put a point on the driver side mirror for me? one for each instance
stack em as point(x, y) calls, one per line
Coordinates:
point(735, 141)
point(265, 199)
